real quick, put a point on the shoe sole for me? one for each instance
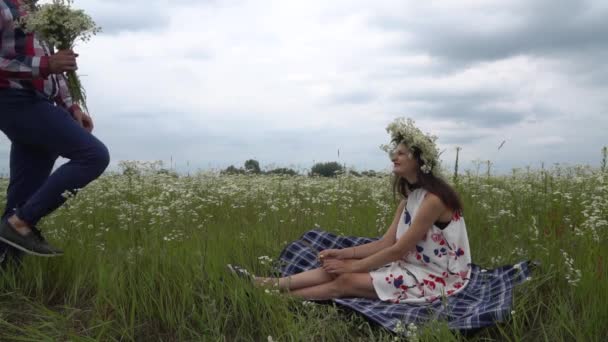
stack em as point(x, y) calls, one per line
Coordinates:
point(23, 249)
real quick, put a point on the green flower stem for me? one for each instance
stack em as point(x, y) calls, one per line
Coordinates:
point(76, 90)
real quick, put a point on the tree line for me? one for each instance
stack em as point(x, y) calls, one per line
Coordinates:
point(321, 169)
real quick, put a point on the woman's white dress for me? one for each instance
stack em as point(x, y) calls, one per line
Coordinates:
point(439, 266)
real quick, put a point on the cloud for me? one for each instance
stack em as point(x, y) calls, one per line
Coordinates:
point(119, 16)
point(498, 30)
point(354, 97)
point(547, 140)
point(217, 144)
point(218, 82)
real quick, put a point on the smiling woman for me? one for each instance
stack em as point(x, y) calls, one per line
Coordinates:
point(423, 256)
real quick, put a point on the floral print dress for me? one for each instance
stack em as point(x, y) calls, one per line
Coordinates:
point(439, 266)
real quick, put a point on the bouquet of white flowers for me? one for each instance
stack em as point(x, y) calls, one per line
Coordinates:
point(58, 24)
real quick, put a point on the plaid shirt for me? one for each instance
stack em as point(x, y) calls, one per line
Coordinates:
point(24, 59)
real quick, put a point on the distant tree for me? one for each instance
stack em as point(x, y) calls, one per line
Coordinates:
point(329, 169)
point(168, 172)
point(282, 171)
point(369, 173)
point(231, 170)
point(252, 166)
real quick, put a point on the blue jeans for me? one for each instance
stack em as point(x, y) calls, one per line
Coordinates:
point(40, 132)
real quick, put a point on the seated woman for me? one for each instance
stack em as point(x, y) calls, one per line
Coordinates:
point(423, 256)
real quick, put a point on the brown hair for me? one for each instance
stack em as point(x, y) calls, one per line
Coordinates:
point(430, 183)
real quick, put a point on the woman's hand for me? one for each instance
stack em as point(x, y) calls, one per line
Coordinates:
point(337, 266)
point(330, 254)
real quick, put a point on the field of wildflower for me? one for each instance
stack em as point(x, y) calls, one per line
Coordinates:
point(146, 254)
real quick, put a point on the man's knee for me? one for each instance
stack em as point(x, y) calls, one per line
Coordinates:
point(99, 157)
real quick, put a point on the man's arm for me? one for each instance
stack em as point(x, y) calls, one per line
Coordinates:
point(24, 67)
point(64, 98)
point(18, 67)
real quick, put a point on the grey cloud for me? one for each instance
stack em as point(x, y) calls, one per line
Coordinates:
point(353, 97)
point(478, 109)
point(475, 115)
point(481, 96)
point(539, 28)
point(130, 19)
point(461, 137)
point(149, 136)
point(587, 69)
point(134, 15)
point(116, 16)
point(154, 136)
point(197, 52)
point(119, 22)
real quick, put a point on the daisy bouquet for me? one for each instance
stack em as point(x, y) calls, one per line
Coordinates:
point(61, 26)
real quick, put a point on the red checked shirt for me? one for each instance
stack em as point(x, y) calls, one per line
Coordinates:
point(24, 59)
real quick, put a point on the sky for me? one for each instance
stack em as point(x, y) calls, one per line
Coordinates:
point(206, 84)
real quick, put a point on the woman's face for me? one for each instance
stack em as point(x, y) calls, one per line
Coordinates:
point(404, 163)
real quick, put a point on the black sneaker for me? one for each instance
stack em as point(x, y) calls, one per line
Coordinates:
point(32, 243)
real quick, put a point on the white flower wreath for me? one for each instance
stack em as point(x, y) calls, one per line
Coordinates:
point(404, 131)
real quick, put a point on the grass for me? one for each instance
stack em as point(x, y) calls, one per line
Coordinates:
point(146, 254)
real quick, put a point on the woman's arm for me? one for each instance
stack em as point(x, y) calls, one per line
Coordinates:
point(365, 250)
point(429, 211)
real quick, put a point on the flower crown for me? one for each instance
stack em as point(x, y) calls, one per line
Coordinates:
point(404, 131)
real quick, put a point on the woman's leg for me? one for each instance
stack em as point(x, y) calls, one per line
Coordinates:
point(309, 278)
point(345, 285)
point(297, 281)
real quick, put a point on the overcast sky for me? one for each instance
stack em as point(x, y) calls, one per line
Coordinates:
point(213, 83)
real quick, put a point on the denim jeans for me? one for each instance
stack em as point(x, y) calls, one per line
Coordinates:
point(40, 132)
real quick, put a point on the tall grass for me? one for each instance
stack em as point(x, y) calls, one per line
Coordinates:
point(146, 253)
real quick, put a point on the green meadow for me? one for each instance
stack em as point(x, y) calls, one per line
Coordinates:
point(146, 254)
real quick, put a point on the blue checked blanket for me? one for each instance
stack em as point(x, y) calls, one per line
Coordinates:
point(487, 299)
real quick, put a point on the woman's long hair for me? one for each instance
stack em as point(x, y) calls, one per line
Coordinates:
point(430, 183)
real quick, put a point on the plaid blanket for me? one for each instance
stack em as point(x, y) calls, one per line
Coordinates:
point(487, 299)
